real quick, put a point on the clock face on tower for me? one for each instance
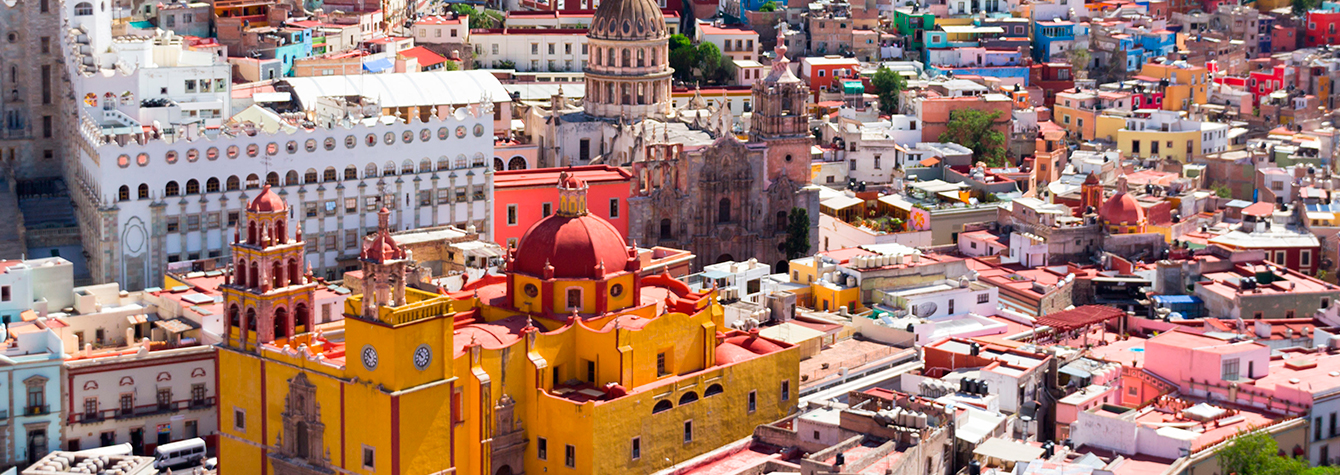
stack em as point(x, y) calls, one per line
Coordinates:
point(422, 356)
point(369, 357)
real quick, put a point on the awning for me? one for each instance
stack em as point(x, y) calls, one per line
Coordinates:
point(484, 251)
point(176, 325)
point(1008, 450)
point(930, 162)
point(137, 319)
point(1076, 372)
point(842, 202)
point(378, 65)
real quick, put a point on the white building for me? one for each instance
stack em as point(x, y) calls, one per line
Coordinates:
point(531, 50)
point(738, 42)
point(141, 395)
point(27, 285)
point(442, 29)
point(152, 193)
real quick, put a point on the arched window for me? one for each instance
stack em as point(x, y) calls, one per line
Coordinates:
point(388, 169)
point(665, 229)
point(192, 187)
point(478, 161)
point(234, 316)
point(309, 177)
point(407, 167)
point(252, 235)
point(781, 221)
point(232, 183)
point(143, 191)
point(688, 397)
point(281, 322)
point(330, 175)
point(713, 390)
point(370, 171)
point(350, 172)
point(723, 210)
point(295, 276)
point(654, 53)
point(498, 164)
point(443, 163)
point(123, 194)
point(662, 406)
point(641, 57)
point(172, 189)
point(425, 166)
point(212, 185)
point(290, 178)
point(276, 277)
point(610, 57)
point(627, 58)
point(517, 163)
point(83, 9)
point(255, 277)
point(253, 181)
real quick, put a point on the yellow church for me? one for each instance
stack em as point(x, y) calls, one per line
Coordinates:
point(573, 362)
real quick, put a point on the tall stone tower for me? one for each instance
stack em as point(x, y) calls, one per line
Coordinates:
point(384, 269)
point(267, 295)
point(779, 120)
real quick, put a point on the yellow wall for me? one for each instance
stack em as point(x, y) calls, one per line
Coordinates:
point(1126, 139)
point(1188, 84)
point(1107, 126)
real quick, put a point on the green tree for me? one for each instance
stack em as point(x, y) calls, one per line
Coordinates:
point(709, 60)
point(683, 57)
point(771, 6)
point(451, 66)
point(975, 129)
point(479, 18)
point(798, 234)
point(1256, 453)
point(888, 84)
point(1301, 7)
point(1222, 191)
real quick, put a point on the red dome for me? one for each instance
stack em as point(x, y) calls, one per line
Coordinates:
point(573, 246)
point(1122, 208)
point(382, 248)
point(267, 202)
point(1092, 179)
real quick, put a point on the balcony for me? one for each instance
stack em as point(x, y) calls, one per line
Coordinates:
point(142, 411)
point(37, 410)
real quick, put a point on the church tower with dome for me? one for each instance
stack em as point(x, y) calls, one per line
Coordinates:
point(267, 295)
point(574, 361)
point(1122, 213)
point(628, 70)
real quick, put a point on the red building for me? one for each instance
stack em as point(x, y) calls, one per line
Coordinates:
point(1051, 78)
point(1287, 244)
point(1267, 77)
point(1283, 38)
point(522, 198)
point(1322, 28)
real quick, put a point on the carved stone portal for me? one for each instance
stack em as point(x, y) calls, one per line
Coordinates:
point(509, 440)
point(301, 448)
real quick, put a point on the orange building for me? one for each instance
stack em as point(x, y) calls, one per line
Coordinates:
point(1186, 84)
point(933, 112)
point(522, 198)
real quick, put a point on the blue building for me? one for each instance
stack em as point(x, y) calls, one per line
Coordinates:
point(30, 393)
point(297, 45)
point(1052, 39)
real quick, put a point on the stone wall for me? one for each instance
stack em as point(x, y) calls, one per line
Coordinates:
point(31, 121)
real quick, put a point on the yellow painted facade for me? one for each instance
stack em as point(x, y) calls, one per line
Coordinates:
point(483, 381)
point(1167, 145)
point(1186, 86)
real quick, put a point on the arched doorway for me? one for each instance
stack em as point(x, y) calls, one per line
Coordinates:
point(782, 267)
point(723, 210)
point(725, 258)
point(302, 322)
point(516, 163)
point(281, 323)
point(504, 470)
point(498, 164)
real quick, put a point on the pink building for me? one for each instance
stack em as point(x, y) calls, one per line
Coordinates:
point(1214, 364)
point(522, 198)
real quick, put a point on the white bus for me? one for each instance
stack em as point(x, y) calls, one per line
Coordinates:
point(189, 451)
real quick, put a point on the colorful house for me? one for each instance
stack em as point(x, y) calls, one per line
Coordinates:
point(1185, 84)
point(572, 362)
point(522, 198)
point(1323, 25)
